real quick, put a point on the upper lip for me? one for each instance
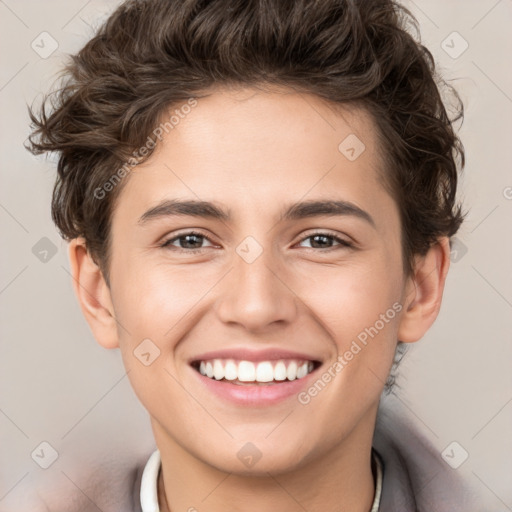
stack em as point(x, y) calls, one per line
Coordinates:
point(246, 354)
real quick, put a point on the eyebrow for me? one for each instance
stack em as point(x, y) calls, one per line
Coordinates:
point(295, 211)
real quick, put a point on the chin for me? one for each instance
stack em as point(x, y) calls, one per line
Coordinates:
point(256, 459)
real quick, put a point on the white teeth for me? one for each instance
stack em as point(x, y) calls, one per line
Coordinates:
point(247, 371)
point(302, 371)
point(264, 372)
point(231, 371)
point(218, 370)
point(280, 371)
point(291, 372)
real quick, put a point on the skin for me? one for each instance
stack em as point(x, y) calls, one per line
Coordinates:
point(254, 152)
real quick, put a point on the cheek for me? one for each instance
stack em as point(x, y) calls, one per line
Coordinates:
point(153, 300)
point(359, 307)
point(158, 301)
point(156, 307)
point(352, 298)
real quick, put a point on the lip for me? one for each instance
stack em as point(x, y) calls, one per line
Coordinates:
point(245, 354)
point(255, 395)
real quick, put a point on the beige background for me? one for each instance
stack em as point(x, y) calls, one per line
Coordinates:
point(58, 386)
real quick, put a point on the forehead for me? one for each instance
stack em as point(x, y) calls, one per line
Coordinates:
point(278, 122)
point(243, 145)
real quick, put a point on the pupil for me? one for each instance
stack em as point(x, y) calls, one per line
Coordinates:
point(324, 238)
point(190, 239)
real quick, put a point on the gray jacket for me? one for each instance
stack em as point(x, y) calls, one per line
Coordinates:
point(415, 479)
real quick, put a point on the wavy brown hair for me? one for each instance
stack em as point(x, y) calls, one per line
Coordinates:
point(152, 55)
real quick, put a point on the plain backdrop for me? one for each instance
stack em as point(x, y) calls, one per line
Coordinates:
point(58, 386)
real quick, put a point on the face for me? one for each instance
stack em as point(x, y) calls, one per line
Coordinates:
point(285, 289)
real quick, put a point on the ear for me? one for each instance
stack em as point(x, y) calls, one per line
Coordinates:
point(93, 294)
point(424, 292)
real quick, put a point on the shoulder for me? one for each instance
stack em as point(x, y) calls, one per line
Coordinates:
point(416, 478)
point(108, 482)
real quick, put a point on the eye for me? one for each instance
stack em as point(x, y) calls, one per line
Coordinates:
point(193, 241)
point(323, 240)
point(189, 241)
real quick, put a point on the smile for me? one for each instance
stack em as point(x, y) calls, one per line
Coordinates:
point(244, 372)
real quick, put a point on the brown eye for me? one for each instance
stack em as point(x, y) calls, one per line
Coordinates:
point(186, 242)
point(325, 241)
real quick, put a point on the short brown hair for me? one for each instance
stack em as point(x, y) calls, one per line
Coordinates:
point(153, 54)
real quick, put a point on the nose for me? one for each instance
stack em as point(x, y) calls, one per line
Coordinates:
point(255, 294)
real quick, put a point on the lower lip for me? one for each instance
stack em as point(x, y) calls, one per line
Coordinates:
point(256, 395)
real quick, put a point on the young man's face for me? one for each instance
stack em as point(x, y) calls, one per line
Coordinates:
point(259, 286)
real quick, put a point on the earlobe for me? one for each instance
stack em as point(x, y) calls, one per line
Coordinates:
point(424, 292)
point(93, 294)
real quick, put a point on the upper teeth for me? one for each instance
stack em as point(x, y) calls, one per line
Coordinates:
point(247, 371)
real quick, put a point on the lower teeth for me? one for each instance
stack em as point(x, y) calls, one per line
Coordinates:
point(253, 383)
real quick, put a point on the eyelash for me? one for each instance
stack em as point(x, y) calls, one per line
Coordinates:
point(342, 243)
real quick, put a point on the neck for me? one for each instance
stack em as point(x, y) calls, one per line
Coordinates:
point(340, 479)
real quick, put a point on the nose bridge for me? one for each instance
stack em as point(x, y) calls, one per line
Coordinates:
point(255, 294)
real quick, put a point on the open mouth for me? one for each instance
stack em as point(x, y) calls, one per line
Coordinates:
point(243, 373)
